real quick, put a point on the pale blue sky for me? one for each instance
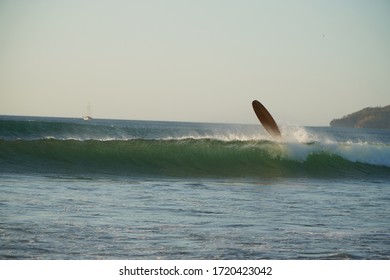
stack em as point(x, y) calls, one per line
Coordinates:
point(201, 60)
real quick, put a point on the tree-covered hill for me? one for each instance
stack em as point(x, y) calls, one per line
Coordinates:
point(371, 117)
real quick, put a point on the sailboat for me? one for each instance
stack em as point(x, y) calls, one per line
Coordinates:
point(88, 116)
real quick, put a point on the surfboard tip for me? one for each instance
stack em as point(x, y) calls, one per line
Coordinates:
point(266, 120)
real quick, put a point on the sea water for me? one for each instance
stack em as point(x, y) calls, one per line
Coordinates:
point(115, 189)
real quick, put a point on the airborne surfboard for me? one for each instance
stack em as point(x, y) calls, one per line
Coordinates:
point(266, 120)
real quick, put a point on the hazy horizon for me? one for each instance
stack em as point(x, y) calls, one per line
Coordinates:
point(308, 62)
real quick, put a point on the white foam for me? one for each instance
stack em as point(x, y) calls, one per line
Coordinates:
point(375, 154)
point(226, 137)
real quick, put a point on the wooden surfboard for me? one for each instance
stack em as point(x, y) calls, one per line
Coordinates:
point(266, 120)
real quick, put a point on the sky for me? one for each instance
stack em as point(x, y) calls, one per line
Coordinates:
point(308, 62)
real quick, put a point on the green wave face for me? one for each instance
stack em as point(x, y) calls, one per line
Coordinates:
point(195, 158)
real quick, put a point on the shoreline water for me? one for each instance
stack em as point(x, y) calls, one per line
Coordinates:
point(158, 190)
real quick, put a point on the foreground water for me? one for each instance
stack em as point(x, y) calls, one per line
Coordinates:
point(109, 189)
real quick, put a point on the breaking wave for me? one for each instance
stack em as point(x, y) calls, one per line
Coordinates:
point(195, 158)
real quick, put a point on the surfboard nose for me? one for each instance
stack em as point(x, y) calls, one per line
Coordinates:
point(266, 120)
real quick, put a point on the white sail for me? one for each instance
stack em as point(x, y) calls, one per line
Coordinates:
point(88, 117)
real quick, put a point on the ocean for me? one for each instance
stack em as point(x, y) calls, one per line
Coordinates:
point(117, 189)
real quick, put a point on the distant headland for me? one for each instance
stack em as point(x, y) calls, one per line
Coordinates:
point(371, 117)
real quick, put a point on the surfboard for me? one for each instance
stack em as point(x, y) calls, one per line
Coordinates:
point(266, 120)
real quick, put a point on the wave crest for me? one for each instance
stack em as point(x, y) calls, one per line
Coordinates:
point(196, 157)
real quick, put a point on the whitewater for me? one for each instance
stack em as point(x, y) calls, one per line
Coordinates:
point(117, 189)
